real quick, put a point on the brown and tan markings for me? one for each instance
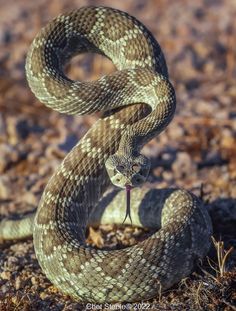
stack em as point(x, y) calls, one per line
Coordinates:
point(145, 99)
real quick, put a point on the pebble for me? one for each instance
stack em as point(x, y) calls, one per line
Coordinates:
point(5, 152)
point(12, 263)
point(44, 295)
point(183, 165)
point(11, 154)
point(34, 281)
point(15, 300)
point(19, 283)
point(4, 288)
point(5, 275)
point(29, 198)
point(5, 188)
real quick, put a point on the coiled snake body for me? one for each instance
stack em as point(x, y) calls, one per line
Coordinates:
point(138, 102)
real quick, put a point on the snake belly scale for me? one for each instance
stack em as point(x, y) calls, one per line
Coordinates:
point(137, 102)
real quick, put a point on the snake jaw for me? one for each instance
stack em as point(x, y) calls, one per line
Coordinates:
point(128, 210)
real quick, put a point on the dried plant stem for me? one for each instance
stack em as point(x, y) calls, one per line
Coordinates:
point(222, 256)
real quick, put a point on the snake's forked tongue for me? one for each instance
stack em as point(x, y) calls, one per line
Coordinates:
point(128, 189)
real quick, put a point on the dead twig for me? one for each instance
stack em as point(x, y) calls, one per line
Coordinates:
point(222, 256)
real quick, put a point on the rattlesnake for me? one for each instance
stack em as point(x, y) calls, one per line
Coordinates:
point(138, 102)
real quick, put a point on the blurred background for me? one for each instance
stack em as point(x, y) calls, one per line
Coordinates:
point(198, 39)
point(199, 146)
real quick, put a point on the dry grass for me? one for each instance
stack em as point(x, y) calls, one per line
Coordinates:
point(222, 255)
point(209, 288)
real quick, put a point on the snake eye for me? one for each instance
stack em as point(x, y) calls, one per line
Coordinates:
point(136, 168)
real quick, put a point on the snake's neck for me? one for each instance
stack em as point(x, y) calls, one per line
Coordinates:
point(81, 179)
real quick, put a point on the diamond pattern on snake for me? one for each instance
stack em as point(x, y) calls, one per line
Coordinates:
point(137, 103)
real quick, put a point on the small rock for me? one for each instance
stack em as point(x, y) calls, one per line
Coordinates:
point(168, 176)
point(19, 283)
point(12, 263)
point(5, 152)
point(5, 188)
point(44, 295)
point(15, 300)
point(5, 275)
point(34, 281)
point(183, 165)
point(4, 288)
point(29, 198)
point(11, 130)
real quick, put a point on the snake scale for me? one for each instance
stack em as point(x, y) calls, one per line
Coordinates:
point(137, 102)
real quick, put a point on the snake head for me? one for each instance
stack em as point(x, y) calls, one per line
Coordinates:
point(127, 171)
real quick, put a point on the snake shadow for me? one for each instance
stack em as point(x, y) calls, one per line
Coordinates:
point(222, 212)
